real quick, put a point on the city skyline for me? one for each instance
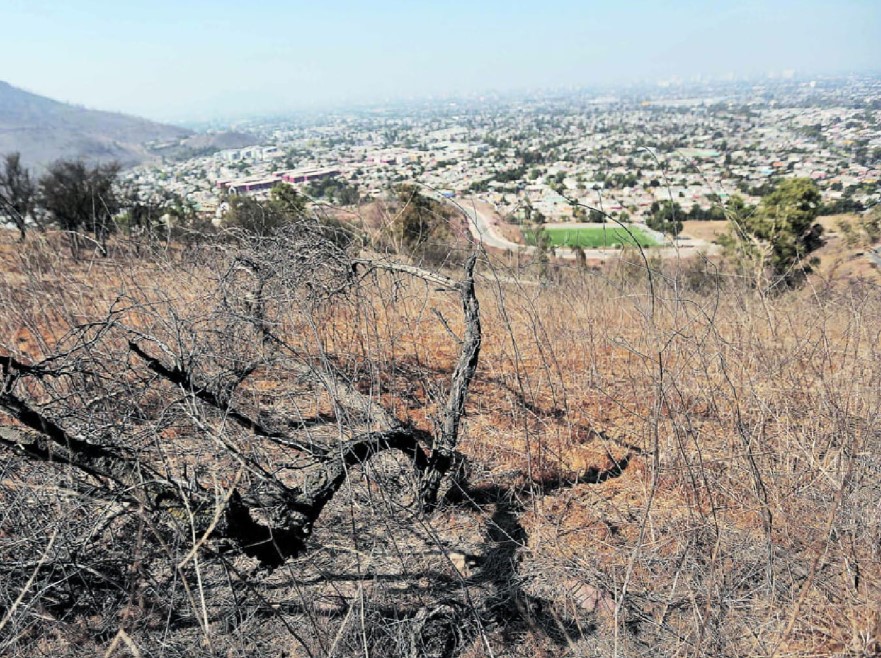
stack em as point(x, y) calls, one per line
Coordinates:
point(216, 60)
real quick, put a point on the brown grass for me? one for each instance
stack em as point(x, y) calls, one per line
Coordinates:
point(703, 230)
point(743, 519)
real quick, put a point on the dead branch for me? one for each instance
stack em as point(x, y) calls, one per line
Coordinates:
point(444, 446)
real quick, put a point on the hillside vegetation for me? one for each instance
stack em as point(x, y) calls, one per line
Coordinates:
point(228, 449)
point(44, 130)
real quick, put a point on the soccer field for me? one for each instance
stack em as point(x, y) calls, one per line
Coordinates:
point(610, 236)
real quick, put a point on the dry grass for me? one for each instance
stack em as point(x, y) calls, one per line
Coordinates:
point(697, 472)
point(703, 230)
point(746, 521)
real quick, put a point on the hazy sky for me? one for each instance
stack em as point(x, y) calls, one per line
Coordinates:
point(176, 59)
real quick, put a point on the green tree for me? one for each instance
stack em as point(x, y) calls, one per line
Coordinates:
point(288, 201)
point(420, 225)
point(737, 209)
point(17, 191)
point(286, 209)
point(335, 191)
point(262, 218)
point(78, 197)
point(783, 228)
point(141, 216)
point(253, 217)
point(597, 217)
point(666, 217)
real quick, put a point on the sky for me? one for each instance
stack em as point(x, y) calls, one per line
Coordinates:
point(199, 59)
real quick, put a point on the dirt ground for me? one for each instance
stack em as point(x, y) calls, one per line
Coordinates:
point(701, 230)
point(710, 230)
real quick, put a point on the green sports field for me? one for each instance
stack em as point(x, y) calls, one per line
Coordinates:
point(611, 236)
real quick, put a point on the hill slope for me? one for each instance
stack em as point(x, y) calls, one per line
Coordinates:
point(44, 130)
point(204, 144)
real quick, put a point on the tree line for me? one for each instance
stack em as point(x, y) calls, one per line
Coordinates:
point(81, 199)
point(779, 235)
point(91, 202)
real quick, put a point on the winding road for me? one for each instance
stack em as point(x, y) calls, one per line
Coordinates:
point(482, 222)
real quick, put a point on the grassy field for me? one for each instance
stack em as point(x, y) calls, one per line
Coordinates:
point(612, 236)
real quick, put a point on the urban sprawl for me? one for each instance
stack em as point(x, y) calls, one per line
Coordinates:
point(557, 155)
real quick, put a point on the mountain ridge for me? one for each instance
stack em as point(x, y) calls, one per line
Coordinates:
point(43, 130)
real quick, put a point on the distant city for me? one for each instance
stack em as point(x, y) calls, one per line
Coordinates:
point(695, 143)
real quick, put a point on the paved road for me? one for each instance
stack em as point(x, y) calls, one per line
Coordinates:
point(482, 227)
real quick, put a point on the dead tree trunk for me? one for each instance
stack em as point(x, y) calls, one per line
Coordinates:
point(444, 446)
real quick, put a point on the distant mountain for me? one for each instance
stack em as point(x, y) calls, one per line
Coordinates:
point(204, 144)
point(44, 130)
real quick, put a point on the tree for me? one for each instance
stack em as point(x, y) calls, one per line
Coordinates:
point(284, 212)
point(666, 217)
point(253, 217)
point(580, 256)
point(784, 225)
point(596, 216)
point(16, 192)
point(287, 200)
point(132, 413)
point(335, 191)
point(263, 218)
point(142, 216)
point(78, 197)
point(544, 248)
point(420, 226)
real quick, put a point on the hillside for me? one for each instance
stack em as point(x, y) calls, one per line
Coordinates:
point(204, 144)
point(44, 130)
point(233, 457)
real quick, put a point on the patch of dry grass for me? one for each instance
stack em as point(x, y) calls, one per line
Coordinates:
point(705, 463)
